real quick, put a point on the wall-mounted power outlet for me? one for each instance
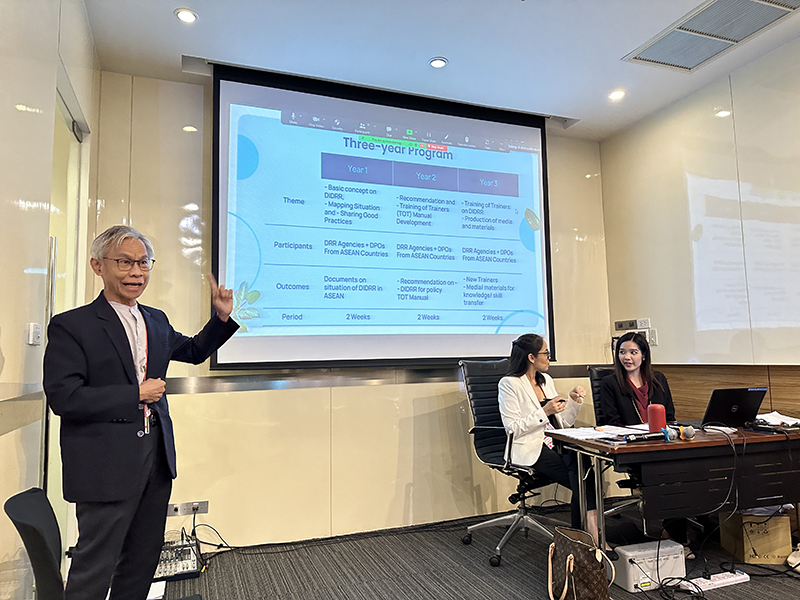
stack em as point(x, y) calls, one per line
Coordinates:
point(187, 508)
point(33, 334)
point(642, 323)
point(624, 325)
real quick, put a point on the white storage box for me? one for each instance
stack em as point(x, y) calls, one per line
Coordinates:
point(636, 567)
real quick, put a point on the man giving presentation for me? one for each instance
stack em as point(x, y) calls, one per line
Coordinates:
point(104, 370)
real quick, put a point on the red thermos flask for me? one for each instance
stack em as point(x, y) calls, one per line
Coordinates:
point(656, 417)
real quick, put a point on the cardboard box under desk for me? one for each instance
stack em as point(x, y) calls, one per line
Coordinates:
point(757, 540)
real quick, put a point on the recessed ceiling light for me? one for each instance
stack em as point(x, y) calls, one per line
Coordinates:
point(437, 62)
point(722, 114)
point(190, 128)
point(617, 95)
point(186, 15)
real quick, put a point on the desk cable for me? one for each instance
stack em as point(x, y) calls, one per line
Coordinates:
point(730, 566)
point(732, 491)
point(745, 533)
point(773, 572)
point(788, 572)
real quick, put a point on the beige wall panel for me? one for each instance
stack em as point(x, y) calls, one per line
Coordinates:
point(784, 381)
point(76, 49)
point(88, 197)
point(586, 415)
point(63, 210)
point(505, 487)
point(20, 412)
point(578, 251)
point(28, 54)
point(166, 200)
point(766, 114)
point(114, 159)
point(673, 240)
point(691, 385)
point(90, 159)
point(401, 455)
point(261, 459)
point(29, 38)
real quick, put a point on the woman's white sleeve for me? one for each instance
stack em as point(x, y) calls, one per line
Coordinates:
point(511, 411)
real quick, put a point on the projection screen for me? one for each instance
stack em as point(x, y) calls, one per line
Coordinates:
point(358, 226)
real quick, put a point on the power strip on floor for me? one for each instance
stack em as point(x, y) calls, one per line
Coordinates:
point(717, 580)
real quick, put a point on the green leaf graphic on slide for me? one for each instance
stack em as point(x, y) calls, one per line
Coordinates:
point(241, 298)
point(532, 219)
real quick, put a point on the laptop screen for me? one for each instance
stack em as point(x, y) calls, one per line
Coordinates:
point(734, 407)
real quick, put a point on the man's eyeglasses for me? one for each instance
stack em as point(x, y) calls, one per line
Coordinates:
point(126, 264)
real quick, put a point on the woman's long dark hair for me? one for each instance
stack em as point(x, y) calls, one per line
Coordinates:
point(646, 369)
point(526, 344)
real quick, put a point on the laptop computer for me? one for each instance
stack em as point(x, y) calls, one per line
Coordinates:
point(733, 407)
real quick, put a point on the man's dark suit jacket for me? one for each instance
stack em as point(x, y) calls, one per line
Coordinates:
point(619, 407)
point(90, 382)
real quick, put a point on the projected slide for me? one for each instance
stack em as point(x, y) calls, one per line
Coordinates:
point(377, 228)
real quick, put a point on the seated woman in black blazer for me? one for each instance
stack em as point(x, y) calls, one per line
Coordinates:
point(625, 395)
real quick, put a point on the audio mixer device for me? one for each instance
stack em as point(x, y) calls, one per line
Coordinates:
point(180, 559)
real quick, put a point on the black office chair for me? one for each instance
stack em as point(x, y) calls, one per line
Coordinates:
point(32, 515)
point(596, 375)
point(491, 440)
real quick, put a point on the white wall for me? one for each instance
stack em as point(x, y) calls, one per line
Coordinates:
point(766, 115)
point(292, 464)
point(702, 218)
point(37, 36)
point(28, 51)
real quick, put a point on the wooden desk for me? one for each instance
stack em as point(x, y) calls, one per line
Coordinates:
point(704, 475)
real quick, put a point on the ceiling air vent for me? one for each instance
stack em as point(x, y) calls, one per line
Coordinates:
point(712, 29)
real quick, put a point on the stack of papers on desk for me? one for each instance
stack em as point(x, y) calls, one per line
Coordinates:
point(776, 418)
point(605, 432)
point(718, 429)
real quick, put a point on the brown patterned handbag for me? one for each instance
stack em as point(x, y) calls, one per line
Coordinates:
point(575, 569)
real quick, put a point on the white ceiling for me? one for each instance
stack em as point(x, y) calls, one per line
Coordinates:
point(551, 57)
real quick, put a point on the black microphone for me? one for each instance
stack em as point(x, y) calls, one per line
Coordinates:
point(644, 437)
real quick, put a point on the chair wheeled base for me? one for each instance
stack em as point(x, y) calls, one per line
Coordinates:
point(518, 520)
point(492, 447)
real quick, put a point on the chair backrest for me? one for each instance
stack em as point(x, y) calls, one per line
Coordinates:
point(596, 375)
point(480, 380)
point(32, 515)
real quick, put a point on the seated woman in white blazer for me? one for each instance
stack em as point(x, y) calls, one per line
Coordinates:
point(529, 405)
